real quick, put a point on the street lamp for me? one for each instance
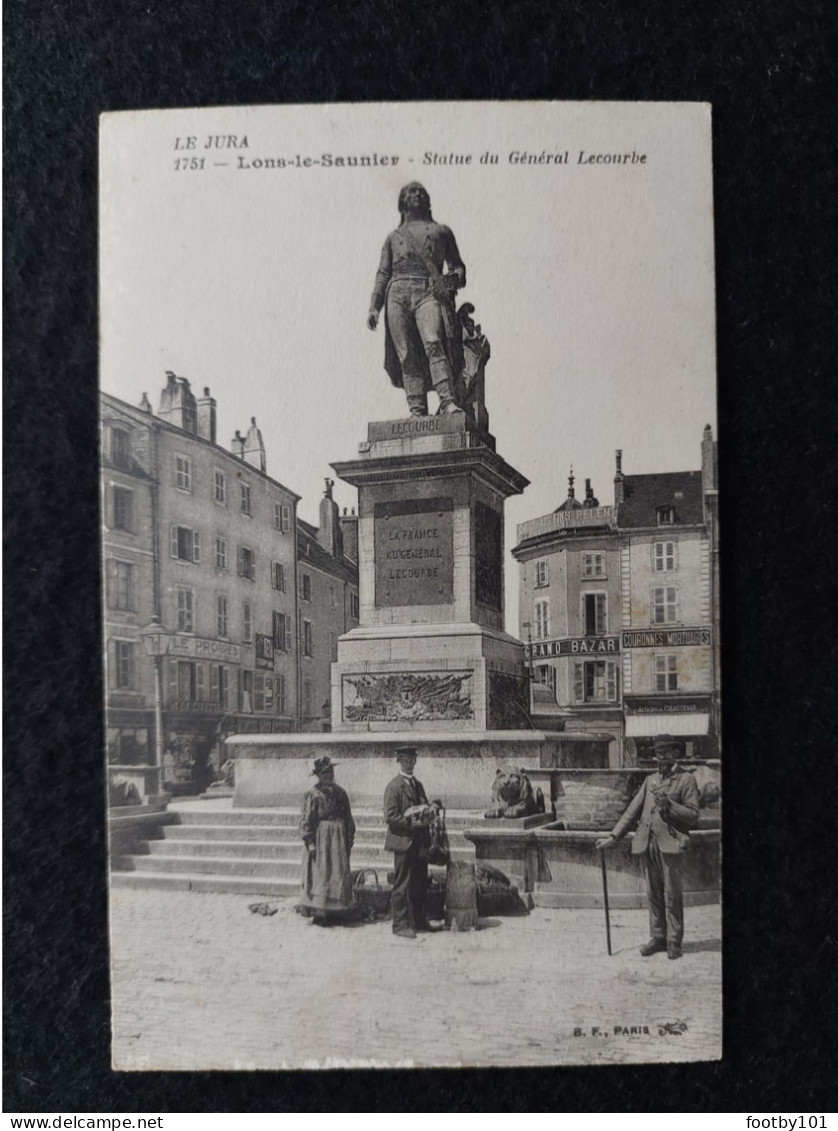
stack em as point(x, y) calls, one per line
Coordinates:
point(156, 641)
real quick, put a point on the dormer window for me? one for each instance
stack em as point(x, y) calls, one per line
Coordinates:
point(120, 448)
point(665, 515)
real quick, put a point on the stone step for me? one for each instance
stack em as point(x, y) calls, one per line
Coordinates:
point(273, 850)
point(290, 818)
point(276, 834)
point(189, 881)
point(225, 865)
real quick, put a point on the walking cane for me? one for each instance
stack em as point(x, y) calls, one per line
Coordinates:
point(605, 899)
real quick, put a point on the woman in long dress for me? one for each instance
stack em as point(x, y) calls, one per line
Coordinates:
point(328, 832)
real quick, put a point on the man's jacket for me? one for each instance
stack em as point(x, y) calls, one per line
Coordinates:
point(399, 796)
point(672, 833)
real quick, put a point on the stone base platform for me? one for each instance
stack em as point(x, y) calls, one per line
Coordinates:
point(456, 767)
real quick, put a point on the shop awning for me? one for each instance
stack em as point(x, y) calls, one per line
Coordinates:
point(685, 724)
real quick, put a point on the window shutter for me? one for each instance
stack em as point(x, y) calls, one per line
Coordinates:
point(196, 546)
point(287, 634)
point(110, 571)
point(172, 698)
point(241, 561)
point(173, 547)
point(286, 519)
point(610, 680)
point(215, 683)
point(578, 682)
point(199, 677)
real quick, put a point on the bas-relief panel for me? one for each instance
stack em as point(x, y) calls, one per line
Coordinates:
point(407, 696)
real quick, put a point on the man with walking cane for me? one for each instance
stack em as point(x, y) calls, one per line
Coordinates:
point(666, 808)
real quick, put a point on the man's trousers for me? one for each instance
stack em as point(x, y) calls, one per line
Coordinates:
point(410, 886)
point(664, 892)
point(413, 311)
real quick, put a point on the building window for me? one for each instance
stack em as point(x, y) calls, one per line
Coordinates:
point(665, 515)
point(247, 563)
point(308, 639)
point(333, 597)
point(120, 448)
point(595, 682)
point(247, 623)
point(124, 656)
point(333, 646)
point(278, 576)
point(546, 674)
point(185, 610)
point(245, 498)
point(664, 604)
point(282, 632)
point(220, 685)
point(259, 691)
point(185, 544)
point(183, 473)
point(285, 518)
point(121, 585)
point(278, 516)
point(246, 692)
point(664, 557)
point(354, 606)
point(542, 573)
point(123, 509)
point(305, 586)
point(666, 673)
point(220, 487)
point(594, 614)
point(542, 619)
point(189, 681)
point(593, 565)
point(221, 553)
point(280, 705)
point(222, 616)
point(307, 698)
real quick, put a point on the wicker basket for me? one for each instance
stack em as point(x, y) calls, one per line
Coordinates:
point(372, 895)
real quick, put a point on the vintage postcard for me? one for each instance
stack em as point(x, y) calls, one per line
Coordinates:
point(409, 547)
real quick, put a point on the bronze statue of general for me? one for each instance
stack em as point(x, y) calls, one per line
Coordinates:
point(417, 279)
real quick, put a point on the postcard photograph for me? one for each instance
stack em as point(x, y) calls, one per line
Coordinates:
point(410, 547)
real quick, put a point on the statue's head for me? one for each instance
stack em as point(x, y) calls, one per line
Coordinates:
point(414, 198)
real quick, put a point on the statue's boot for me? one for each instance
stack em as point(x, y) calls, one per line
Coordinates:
point(418, 405)
point(417, 397)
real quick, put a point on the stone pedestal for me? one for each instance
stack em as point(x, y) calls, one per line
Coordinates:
point(430, 653)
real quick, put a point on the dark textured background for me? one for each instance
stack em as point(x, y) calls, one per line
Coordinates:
point(768, 69)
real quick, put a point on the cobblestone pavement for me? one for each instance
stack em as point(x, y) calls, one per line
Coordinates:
point(199, 982)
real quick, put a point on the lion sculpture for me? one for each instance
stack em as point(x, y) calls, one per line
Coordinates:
point(512, 796)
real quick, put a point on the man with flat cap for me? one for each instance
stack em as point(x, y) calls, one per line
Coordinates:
point(409, 842)
point(666, 808)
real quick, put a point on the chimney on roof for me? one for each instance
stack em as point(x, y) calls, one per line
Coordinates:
point(237, 445)
point(708, 461)
point(254, 446)
point(618, 477)
point(206, 416)
point(177, 404)
point(145, 404)
point(329, 534)
point(590, 502)
point(571, 479)
point(349, 531)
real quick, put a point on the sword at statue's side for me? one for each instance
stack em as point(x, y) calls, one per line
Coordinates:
point(605, 899)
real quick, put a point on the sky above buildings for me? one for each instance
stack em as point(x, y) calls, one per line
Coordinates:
point(593, 279)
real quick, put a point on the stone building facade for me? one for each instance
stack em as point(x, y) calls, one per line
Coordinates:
point(618, 607)
point(204, 538)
